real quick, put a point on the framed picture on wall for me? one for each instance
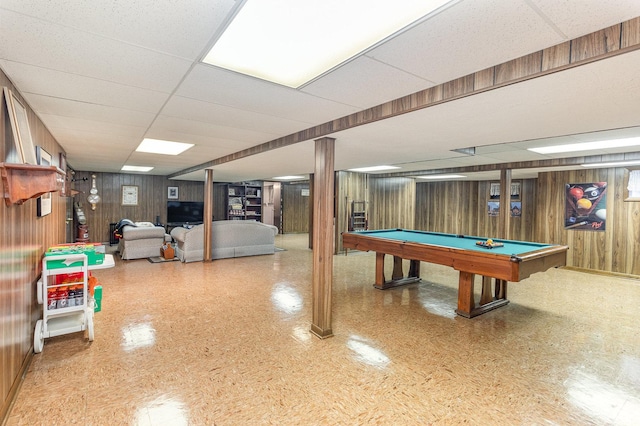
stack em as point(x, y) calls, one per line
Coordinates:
point(172, 193)
point(516, 208)
point(586, 206)
point(129, 195)
point(493, 208)
point(20, 128)
point(43, 202)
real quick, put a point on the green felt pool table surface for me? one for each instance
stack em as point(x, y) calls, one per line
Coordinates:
point(466, 242)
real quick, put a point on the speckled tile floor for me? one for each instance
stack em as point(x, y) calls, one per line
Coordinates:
point(228, 343)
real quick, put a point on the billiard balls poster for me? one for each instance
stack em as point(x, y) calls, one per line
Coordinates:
point(586, 206)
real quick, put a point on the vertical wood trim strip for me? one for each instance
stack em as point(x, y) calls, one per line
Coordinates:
point(505, 203)
point(208, 213)
point(323, 192)
point(311, 215)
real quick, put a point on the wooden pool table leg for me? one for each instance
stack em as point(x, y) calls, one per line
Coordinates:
point(397, 276)
point(380, 270)
point(414, 269)
point(466, 301)
point(397, 273)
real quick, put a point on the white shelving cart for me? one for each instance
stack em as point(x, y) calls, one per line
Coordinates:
point(67, 306)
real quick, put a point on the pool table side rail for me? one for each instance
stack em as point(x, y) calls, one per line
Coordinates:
point(509, 268)
point(542, 260)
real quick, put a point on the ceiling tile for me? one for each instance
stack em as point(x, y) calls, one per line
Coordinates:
point(351, 84)
point(180, 28)
point(69, 86)
point(73, 51)
point(468, 37)
point(258, 96)
point(46, 106)
point(195, 110)
point(602, 14)
point(214, 131)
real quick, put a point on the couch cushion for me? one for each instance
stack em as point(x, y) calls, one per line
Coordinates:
point(143, 232)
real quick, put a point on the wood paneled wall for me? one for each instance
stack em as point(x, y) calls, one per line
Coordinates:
point(460, 207)
point(152, 199)
point(23, 238)
point(617, 249)
point(451, 207)
point(350, 186)
point(391, 203)
point(295, 208)
point(220, 201)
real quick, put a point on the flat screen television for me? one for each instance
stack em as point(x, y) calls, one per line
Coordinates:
point(183, 212)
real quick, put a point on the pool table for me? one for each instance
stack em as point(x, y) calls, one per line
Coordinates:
point(504, 261)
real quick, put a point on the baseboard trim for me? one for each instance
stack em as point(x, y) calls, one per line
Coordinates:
point(15, 387)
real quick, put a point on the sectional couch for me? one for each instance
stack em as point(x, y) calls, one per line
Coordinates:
point(229, 238)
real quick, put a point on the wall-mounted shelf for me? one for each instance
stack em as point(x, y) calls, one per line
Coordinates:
point(25, 181)
point(358, 220)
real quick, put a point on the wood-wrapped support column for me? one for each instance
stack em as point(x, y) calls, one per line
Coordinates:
point(323, 193)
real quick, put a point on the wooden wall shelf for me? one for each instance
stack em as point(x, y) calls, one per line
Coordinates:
point(25, 181)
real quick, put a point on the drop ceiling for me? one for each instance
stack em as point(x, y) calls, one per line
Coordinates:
point(104, 75)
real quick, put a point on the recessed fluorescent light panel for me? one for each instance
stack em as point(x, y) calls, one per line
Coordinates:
point(613, 164)
point(156, 146)
point(441, 176)
point(136, 168)
point(289, 177)
point(373, 169)
point(587, 146)
point(290, 42)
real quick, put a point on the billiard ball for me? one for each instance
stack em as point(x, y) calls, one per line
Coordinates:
point(592, 192)
point(583, 204)
point(601, 214)
point(576, 192)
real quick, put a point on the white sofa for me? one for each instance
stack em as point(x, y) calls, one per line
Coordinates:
point(141, 241)
point(229, 238)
